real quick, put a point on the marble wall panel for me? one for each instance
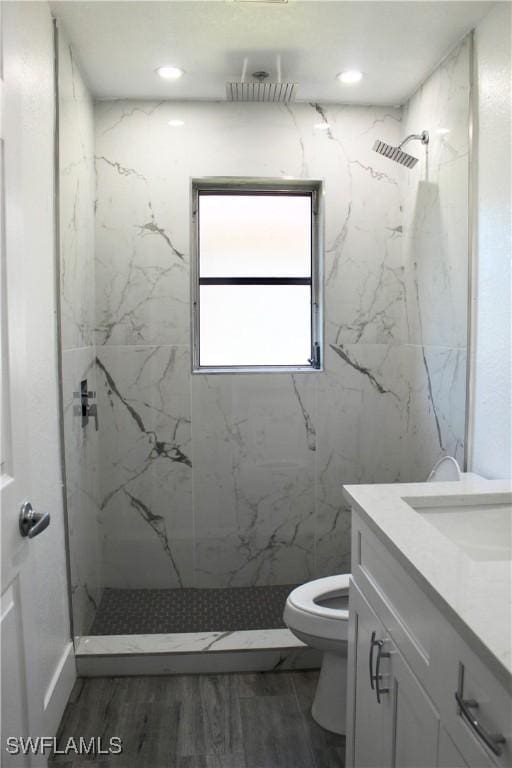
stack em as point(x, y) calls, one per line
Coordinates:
point(255, 514)
point(436, 206)
point(146, 465)
point(436, 265)
point(260, 500)
point(77, 321)
point(254, 478)
point(83, 503)
point(76, 203)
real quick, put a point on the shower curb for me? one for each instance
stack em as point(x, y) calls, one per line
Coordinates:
point(193, 653)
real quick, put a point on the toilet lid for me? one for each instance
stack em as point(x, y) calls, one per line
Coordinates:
point(306, 596)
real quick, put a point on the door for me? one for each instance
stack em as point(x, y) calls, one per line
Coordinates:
point(22, 699)
point(416, 720)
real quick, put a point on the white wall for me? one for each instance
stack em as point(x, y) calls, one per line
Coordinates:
point(30, 73)
point(490, 419)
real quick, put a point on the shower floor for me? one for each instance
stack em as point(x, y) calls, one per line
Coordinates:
point(162, 611)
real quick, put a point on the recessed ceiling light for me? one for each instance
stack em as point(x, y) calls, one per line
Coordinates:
point(350, 76)
point(170, 73)
point(176, 123)
point(321, 126)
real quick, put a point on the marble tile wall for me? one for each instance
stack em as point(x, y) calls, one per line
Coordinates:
point(76, 211)
point(236, 479)
point(435, 256)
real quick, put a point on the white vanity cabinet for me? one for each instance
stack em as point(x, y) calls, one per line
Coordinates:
point(395, 723)
point(406, 662)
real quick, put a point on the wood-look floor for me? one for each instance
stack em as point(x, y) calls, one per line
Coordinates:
point(257, 720)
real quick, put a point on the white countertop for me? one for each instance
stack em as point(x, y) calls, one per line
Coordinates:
point(478, 594)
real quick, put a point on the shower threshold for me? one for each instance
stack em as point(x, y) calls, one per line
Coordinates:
point(183, 631)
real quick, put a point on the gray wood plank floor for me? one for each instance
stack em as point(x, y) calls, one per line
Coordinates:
point(256, 720)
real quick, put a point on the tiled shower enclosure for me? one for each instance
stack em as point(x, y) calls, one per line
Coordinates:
point(235, 480)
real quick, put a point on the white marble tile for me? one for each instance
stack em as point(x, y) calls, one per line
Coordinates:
point(112, 665)
point(236, 480)
point(254, 457)
point(77, 308)
point(145, 466)
point(435, 412)
point(435, 195)
point(83, 510)
point(76, 203)
point(189, 642)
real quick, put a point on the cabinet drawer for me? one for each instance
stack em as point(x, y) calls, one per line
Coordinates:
point(462, 672)
point(403, 608)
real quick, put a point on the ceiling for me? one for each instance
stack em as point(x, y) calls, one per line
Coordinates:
point(395, 44)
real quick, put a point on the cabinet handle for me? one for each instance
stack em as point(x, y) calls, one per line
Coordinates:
point(492, 740)
point(378, 676)
point(373, 643)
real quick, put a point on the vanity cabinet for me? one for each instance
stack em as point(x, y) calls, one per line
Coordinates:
point(406, 661)
point(395, 723)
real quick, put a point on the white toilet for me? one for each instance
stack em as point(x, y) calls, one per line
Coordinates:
point(317, 613)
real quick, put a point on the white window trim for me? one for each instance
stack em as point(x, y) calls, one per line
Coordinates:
point(245, 184)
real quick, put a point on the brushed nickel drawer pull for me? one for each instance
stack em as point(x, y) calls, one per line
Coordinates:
point(492, 740)
point(378, 676)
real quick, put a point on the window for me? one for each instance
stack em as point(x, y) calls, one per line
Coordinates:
point(256, 275)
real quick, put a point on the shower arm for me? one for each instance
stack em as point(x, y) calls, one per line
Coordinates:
point(423, 137)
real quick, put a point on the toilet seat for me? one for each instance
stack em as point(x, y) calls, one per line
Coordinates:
point(306, 596)
point(304, 614)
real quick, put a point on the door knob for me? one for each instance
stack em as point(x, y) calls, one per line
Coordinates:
point(32, 523)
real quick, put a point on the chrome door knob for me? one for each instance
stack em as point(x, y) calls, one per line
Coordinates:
point(32, 523)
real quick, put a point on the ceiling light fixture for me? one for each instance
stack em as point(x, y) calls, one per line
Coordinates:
point(170, 73)
point(350, 76)
point(176, 123)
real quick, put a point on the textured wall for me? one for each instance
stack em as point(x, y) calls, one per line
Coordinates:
point(435, 257)
point(491, 446)
point(76, 214)
point(236, 479)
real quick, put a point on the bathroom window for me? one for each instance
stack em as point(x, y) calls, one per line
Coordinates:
point(256, 275)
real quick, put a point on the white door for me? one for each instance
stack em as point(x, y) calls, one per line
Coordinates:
point(22, 701)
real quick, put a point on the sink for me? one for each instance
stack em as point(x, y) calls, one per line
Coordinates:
point(479, 524)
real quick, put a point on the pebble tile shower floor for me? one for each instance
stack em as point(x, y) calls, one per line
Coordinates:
point(151, 611)
point(257, 720)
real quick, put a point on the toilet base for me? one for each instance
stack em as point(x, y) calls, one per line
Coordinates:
point(329, 705)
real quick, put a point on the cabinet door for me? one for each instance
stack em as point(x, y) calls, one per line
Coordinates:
point(449, 755)
point(369, 723)
point(416, 721)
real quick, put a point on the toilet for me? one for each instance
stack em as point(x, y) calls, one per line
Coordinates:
point(317, 613)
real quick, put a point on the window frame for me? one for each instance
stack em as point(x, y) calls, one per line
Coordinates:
point(261, 186)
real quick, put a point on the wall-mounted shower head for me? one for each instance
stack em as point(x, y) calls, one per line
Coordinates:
point(397, 154)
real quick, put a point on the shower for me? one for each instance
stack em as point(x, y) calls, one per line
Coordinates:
point(397, 154)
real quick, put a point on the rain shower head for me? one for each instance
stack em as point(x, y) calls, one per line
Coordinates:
point(397, 154)
point(281, 93)
point(259, 88)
